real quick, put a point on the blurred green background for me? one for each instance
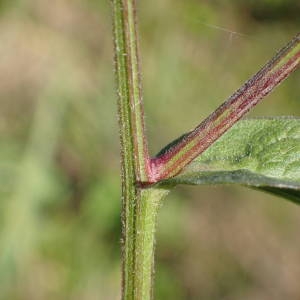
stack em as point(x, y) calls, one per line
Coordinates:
point(59, 154)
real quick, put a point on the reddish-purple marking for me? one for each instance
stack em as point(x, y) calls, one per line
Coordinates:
point(254, 90)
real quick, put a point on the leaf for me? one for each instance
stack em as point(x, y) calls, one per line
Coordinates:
point(259, 153)
point(177, 155)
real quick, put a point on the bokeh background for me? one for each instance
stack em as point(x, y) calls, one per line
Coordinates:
point(59, 150)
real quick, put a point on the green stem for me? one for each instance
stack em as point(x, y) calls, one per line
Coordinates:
point(129, 83)
point(139, 205)
point(147, 208)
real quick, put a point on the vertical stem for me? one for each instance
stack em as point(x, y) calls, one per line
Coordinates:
point(129, 192)
point(139, 205)
point(145, 239)
point(129, 82)
point(134, 76)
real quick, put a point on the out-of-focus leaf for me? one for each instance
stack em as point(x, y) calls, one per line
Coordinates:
point(260, 153)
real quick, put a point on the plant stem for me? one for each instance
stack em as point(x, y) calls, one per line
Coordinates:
point(147, 208)
point(171, 162)
point(129, 83)
point(139, 205)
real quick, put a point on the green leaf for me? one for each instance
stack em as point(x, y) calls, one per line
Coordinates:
point(259, 153)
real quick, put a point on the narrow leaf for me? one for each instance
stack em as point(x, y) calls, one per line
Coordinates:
point(260, 153)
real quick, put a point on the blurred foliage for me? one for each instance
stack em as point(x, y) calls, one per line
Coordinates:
point(273, 10)
point(59, 154)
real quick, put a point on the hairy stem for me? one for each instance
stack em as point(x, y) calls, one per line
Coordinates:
point(139, 205)
point(147, 209)
point(170, 162)
point(129, 83)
